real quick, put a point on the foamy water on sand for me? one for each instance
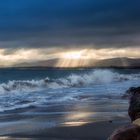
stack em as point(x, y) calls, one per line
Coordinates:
point(64, 97)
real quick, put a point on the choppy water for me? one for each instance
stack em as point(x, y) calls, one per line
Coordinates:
point(76, 94)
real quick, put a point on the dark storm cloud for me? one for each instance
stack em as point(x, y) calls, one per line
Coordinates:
point(41, 23)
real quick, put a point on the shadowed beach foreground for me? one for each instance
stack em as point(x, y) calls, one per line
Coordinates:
point(91, 131)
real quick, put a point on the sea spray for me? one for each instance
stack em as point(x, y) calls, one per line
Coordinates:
point(70, 87)
point(73, 80)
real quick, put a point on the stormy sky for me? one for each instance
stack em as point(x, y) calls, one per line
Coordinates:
point(52, 26)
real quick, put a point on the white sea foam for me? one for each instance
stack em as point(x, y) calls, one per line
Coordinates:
point(73, 80)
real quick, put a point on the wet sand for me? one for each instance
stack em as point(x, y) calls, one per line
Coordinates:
point(61, 122)
point(91, 131)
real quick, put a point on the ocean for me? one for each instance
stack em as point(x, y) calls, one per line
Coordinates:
point(55, 97)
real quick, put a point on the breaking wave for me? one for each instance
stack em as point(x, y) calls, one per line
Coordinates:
point(73, 80)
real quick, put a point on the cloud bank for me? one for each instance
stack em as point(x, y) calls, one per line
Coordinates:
point(87, 53)
point(48, 23)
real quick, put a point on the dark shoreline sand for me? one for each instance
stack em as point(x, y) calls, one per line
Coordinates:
point(91, 131)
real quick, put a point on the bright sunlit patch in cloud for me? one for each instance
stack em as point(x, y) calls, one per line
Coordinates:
point(65, 56)
point(79, 54)
point(72, 55)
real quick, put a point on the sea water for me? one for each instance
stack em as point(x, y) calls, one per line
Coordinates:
point(65, 96)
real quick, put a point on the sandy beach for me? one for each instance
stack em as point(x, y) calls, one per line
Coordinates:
point(19, 130)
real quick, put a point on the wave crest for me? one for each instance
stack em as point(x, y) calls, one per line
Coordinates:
point(73, 80)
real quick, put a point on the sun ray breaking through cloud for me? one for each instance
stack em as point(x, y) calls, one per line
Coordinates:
point(66, 57)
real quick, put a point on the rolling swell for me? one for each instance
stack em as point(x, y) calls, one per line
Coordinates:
point(73, 80)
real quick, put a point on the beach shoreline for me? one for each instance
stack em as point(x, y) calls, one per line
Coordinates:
point(91, 131)
point(75, 105)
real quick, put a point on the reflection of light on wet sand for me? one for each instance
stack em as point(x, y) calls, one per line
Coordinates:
point(77, 118)
point(79, 115)
point(74, 123)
